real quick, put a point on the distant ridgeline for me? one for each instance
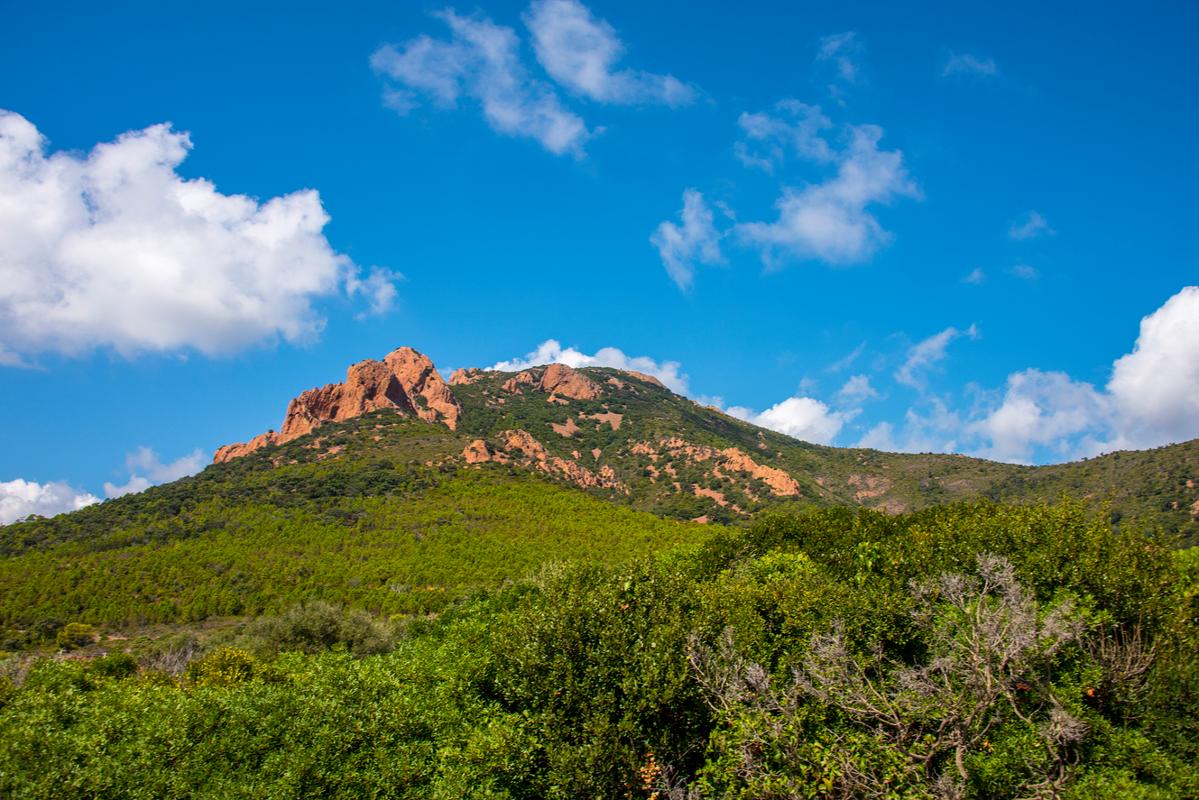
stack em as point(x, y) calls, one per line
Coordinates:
point(626, 437)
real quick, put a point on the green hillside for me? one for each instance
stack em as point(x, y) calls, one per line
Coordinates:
point(975, 651)
point(383, 512)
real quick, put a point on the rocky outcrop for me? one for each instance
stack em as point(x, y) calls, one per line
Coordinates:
point(561, 380)
point(780, 483)
point(521, 447)
point(420, 380)
point(404, 380)
point(465, 376)
point(239, 449)
point(641, 376)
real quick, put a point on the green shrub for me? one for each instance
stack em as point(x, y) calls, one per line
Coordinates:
point(227, 666)
point(74, 635)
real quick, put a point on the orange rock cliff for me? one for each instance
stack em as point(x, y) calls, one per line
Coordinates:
point(404, 380)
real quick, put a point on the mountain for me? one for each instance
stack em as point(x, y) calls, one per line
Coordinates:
point(497, 587)
point(399, 492)
point(627, 438)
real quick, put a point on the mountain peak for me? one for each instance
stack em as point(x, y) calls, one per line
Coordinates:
point(405, 380)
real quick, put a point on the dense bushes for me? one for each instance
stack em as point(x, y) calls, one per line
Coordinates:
point(974, 651)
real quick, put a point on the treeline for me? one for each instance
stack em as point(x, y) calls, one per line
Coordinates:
point(970, 651)
point(403, 553)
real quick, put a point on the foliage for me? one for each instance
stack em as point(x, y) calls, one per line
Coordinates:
point(970, 651)
point(74, 635)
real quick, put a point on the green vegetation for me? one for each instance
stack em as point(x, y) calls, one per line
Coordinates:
point(966, 651)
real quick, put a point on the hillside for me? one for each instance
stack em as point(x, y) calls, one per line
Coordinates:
point(500, 587)
point(400, 494)
point(625, 437)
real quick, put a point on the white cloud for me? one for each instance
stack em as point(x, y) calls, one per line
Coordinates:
point(843, 51)
point(802, 418)
point(830, 221)
point(926, 354)
point(19, 498)
point(1025, 273)
point(1041, 409)
point(1155, 388)
point(580, 52)
point(969, 64)
point(115, 249)
point(975, 277)
point(146, 469)
point(694, 240)
point(480, 61)
point(846, 361)
point(377, 288)
point(1152, 399)
point(1031, 226)
point(551, 352)
point(795, 128)
point(879, 437)
point(858, 388)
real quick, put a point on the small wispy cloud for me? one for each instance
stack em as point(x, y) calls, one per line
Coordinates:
point(975, 277)
point(146, 469)
point(1025, 272)
point(926, 354)
point(843, 51)
point(580, 52)
point(694, 239)
point(969, 64)
point(1031, 226)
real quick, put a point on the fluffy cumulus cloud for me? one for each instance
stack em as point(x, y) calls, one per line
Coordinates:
point(580, 52)
point(926, 354)
point(551, 352)
point(969, 64)
point(1155, 388)
point(115, 249)
point(1041, 409)
point(803, 418)
point(146, 469)
point(21, 498)
point(832, 221)
point(480, 62)
point(1151, 399)
point(693, 239)
point(1031, 226)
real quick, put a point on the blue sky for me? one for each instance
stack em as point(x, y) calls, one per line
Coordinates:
point(909, 227)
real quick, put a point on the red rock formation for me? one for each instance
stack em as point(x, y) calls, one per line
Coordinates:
point(239, 449)
point(421, 381)
point(520, 444)
point(462, 377)
point(404, 380)
point(561, 380)
point(641, 376)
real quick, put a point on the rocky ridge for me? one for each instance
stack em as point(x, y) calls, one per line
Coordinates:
point(404, 380)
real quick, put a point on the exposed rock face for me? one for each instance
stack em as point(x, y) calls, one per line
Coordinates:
point(520, 445)
point(514, 383)
point(641, 376)
point(239, 449)
point(421, 381)
point(610, 417)
point(404, 380)
point(561, 380)
point(477, 452)
point(731, 459)
point(461, 377)
point(567, 429)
